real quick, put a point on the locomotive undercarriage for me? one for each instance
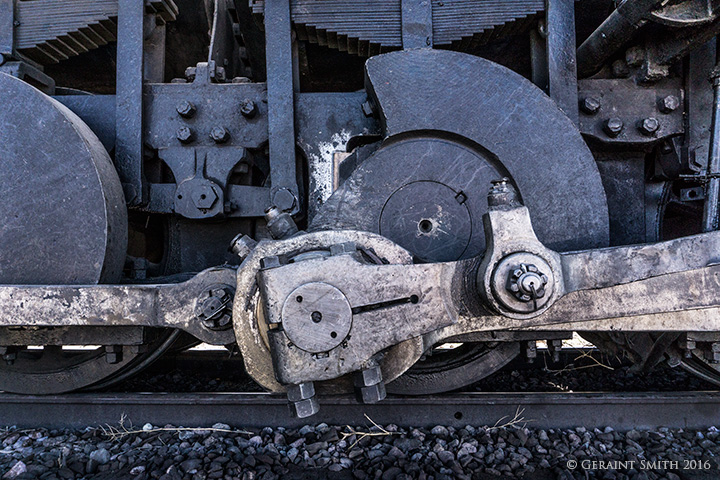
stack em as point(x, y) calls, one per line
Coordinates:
point(362, 235)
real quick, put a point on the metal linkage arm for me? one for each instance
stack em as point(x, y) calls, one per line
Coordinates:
point(196, 306)
point(331, 315)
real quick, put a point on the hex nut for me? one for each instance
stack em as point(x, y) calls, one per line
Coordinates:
point(186, 109)
point(301, 391)
point(613, 126)
point(284, 199)
point(590, 105)
point(372, 394)
point(648, 126)
point(248, 109)
point(368, 377)
point(669, 104)
point(204, 197)
point(305, 408)
point(185, 135)
point(219, 134)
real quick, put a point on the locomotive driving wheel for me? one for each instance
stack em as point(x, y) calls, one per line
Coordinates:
point(64, 222)
point(425, 186)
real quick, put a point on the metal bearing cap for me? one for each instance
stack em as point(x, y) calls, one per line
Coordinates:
point(316, 317)
point(523, 283)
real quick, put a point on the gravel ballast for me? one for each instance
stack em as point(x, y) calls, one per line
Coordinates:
point(335, 452)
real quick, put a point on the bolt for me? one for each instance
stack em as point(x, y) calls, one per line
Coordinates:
point(284, 199)
point(185, 135)
point(369, 385)
point(248, 108)
point(178, 80)
point(190, 73)
point(113, 354)
point(669, 104)
point(590, 105)
point(502, 193)
point(688, 346)
point(554, 346)
point(303, 401)
point(242, 245)
point(241, 80)
point(613, 126)
point(649, 126)
point(219, 134)
point(368, 109)
point(531, 351)
point(186, 109)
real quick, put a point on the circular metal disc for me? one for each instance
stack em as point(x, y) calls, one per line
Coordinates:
point(63, 210)
point(429, 219)
point(316, 317)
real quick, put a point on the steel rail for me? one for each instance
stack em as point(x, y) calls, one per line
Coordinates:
point(622, 411)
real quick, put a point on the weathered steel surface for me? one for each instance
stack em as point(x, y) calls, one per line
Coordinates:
point(552, 166)
point(622, 411)
point(61, 195)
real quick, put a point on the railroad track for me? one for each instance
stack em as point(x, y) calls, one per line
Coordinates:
point(621, 411)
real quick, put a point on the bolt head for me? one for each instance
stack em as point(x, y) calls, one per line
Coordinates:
point(305, 408)
point(368, 377)
point(219, 134)
point(185, 135)
point(613, 126)
point(186, 109)
point(372, 394)
point(242, 245)
point(284, 200)
point(649, 126)
point(669, 103)
point(301, 391)
point(590, 105)
point(248, 109)
point(204, 197)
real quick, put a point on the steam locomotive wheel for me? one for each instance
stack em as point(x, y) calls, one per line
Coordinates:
point(425, 187)
point(64, 222)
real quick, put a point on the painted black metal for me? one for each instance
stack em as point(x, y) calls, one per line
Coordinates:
point(711, 213)
point(129, 110)
point(622, 411)
point(453, 88)
point(7, 29)
point(40, 209)
point(417, 23)
point(281, 120)
point(562, 64)
point(97, 111)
